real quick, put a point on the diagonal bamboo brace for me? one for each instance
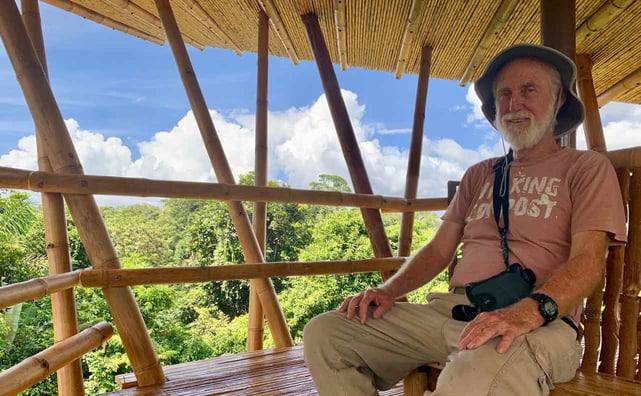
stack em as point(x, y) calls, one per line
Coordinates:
point(84, 210)
point(248, 241)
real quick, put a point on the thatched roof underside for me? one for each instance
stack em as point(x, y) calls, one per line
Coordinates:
point(374, 31)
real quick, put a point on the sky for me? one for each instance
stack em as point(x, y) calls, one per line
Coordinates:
point(127, 112)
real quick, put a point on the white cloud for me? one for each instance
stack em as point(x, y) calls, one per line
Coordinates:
point(302, 144)
point(621, 126)
point(476, 114)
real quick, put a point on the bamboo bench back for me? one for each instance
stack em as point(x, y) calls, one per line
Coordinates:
point(612, 312)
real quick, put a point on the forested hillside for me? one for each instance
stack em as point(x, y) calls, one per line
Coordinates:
point(187, 321)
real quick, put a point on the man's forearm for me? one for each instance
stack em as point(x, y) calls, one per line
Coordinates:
point(417, 271)
point(581, 274)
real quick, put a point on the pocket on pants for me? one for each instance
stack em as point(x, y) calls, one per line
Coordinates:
point(556, 350)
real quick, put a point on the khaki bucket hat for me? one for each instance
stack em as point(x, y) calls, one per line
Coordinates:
point(570, 115)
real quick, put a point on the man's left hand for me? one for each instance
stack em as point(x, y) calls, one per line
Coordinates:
point(508, 323)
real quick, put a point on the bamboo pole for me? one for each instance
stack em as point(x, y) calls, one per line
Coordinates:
point(43, 364)
point(610, 317)
point(592, 331)
point(597, 21)
point(197, 11)
point(155, 276)
point(63, 305)
point(103, 20)
point(626, 366)
point(613, 284)
point(87, 218)
point(111, 185)
point(409, 35)
point(497, 23)
point(629, 82)
point(341, 31)
point(414, 160)
point(137, 11)
point(558, 31)
point(346, 137)
point(279, 28)
point(32, 289)
point(625, 158)
point(592, 126)
point(248, 242)
point(255, 330)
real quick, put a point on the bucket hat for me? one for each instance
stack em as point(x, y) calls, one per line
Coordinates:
point(569, 116)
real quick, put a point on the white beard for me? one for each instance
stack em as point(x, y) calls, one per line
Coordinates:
point(524, 137)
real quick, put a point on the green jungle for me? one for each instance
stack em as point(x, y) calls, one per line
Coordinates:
point(188, 322)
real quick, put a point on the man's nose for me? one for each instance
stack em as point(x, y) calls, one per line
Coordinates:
point(516, 103)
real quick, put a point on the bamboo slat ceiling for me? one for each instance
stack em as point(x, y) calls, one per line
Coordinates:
point(375, 31)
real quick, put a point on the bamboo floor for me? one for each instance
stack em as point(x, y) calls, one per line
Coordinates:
point(283, 372)
point(266, 372)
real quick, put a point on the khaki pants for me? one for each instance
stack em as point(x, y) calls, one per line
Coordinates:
point(347, 358)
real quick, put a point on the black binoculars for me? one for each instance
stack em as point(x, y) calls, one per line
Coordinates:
point(497, 292)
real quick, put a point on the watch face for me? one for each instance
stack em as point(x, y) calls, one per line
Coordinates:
point(549, 308)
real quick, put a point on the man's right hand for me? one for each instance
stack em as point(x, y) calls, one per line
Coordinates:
point(379, 297)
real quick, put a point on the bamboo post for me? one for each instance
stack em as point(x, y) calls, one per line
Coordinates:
point(110, 185)
point(613, 285)
point(63, 306)
point(558, 32)
point(63, 158)
point(414, 160)
point(248, 242)
point(626, 366)
point(349, 145)
point(592, 329)
point(255, 329)
point(43, 364)
point(592, 126)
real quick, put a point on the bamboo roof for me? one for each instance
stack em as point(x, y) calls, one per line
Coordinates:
point(377, 34)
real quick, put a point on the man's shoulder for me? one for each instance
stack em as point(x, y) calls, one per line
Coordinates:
point(483, 166)
point(586, 157)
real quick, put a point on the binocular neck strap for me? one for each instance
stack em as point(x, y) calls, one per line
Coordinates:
point(501, 200)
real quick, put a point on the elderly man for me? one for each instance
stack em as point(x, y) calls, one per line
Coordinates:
point(542, 213)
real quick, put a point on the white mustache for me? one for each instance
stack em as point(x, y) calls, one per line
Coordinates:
point(517, 114)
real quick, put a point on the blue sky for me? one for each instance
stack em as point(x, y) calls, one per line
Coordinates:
point(128, 114)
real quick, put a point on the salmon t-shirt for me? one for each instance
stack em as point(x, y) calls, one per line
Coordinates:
point(550, 198)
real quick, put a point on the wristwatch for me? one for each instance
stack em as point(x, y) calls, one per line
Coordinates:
point(547, 307)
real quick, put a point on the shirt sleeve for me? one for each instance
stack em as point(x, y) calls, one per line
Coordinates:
point(596, 198)
point(457, 210)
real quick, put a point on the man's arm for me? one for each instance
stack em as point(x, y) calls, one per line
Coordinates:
point(573, 282)
point(420, 269)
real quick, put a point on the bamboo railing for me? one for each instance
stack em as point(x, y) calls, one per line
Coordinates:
point(41, 365)
point(32, 289)
point(111, 185)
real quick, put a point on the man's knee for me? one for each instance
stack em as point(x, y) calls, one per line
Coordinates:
point(322, 327)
